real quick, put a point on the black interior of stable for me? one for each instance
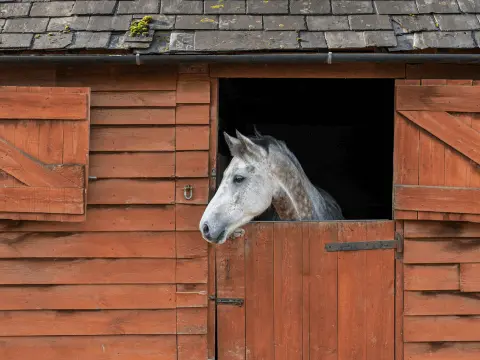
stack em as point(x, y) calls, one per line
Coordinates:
point(341, 131)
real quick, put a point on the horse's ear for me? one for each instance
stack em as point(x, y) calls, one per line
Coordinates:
point(251, 147)
point(234, 145)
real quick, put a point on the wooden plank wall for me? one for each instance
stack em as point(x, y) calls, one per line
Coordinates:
point(131, 281)
point(442, 290)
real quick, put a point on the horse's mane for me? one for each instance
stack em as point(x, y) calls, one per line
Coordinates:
point(266, 141)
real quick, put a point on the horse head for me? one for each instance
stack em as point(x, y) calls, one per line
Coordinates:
point(245, 192)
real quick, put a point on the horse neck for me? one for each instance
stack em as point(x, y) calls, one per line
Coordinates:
point(292, 201)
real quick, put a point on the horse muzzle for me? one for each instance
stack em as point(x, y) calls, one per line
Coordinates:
point(213, 234)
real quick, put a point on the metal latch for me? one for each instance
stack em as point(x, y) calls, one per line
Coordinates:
point(227, 301)
point(361, 245)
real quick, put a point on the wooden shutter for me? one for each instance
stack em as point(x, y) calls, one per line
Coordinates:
point(44, 142)
point(437, 150)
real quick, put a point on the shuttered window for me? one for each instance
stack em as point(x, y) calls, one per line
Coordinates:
point(44, 143)
point(437, 150)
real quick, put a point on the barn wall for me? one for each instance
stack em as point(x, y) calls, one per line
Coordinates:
point(442, 287)
point(131, 281)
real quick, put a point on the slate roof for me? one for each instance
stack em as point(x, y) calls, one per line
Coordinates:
point(226, 26)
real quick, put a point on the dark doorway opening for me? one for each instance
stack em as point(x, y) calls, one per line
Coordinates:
point(341, 131)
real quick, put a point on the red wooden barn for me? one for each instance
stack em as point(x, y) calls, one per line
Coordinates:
point(111, 121)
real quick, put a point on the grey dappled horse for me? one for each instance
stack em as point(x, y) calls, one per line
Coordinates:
point(263, 172)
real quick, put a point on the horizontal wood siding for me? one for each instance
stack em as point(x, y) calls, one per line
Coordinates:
point(130, 282)
point(442, 290)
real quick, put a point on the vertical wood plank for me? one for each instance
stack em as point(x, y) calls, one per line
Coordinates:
point(306, 291)
point(259, 291)
point(456, 165)
point(213, 133)
point(288, 291)
point(406, 145)
point(323, 291)
point(230, 260)
point(399, 301)
point(7, 132)
point(432, 160)
point(211, 251)
point(352, 292)
point(75, 141)
point(380, 299)
point(51, 142)
point(406, 166)
point(32, 138)
point(473, 173)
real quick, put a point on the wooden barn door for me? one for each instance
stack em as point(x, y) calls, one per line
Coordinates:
point(302, 291)
point(437, 150)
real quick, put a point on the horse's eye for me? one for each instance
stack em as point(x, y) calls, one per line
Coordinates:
point(237, 179)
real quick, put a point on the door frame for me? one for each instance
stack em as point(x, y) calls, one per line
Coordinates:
point(275, 71)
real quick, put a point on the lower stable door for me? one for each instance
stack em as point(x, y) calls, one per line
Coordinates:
point(307, 290)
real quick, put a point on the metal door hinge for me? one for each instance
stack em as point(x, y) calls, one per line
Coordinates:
point(361, 245)
point(227, 301)
point(399, 241)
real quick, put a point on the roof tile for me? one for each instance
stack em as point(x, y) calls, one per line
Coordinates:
point(83, 7)
point(109, 23)
point(26, 25)
point(345, 39)
point(182, 7)
point(12, 10)
point(199, 22)
point(267, 7)
point(15, 41)
point(310, 7)
point(396, 7)
point(370, 22)
point(182, 41)
point(53, 8)
point(90, 40)
point(241, 22)
point(312, 40)
point(454, 22)
point(72, 23)
point(444, 40)
point(225, 7)
point(437, 6)
point(52, 41)
point(327, 23)
point(290, 22)
point(380, 39)
point(138, 6)
point(245, 40)
point(469, 6)
point(409, 24)
point(341, 7)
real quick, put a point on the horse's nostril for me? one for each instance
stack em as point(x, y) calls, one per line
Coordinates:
point(206, 229)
